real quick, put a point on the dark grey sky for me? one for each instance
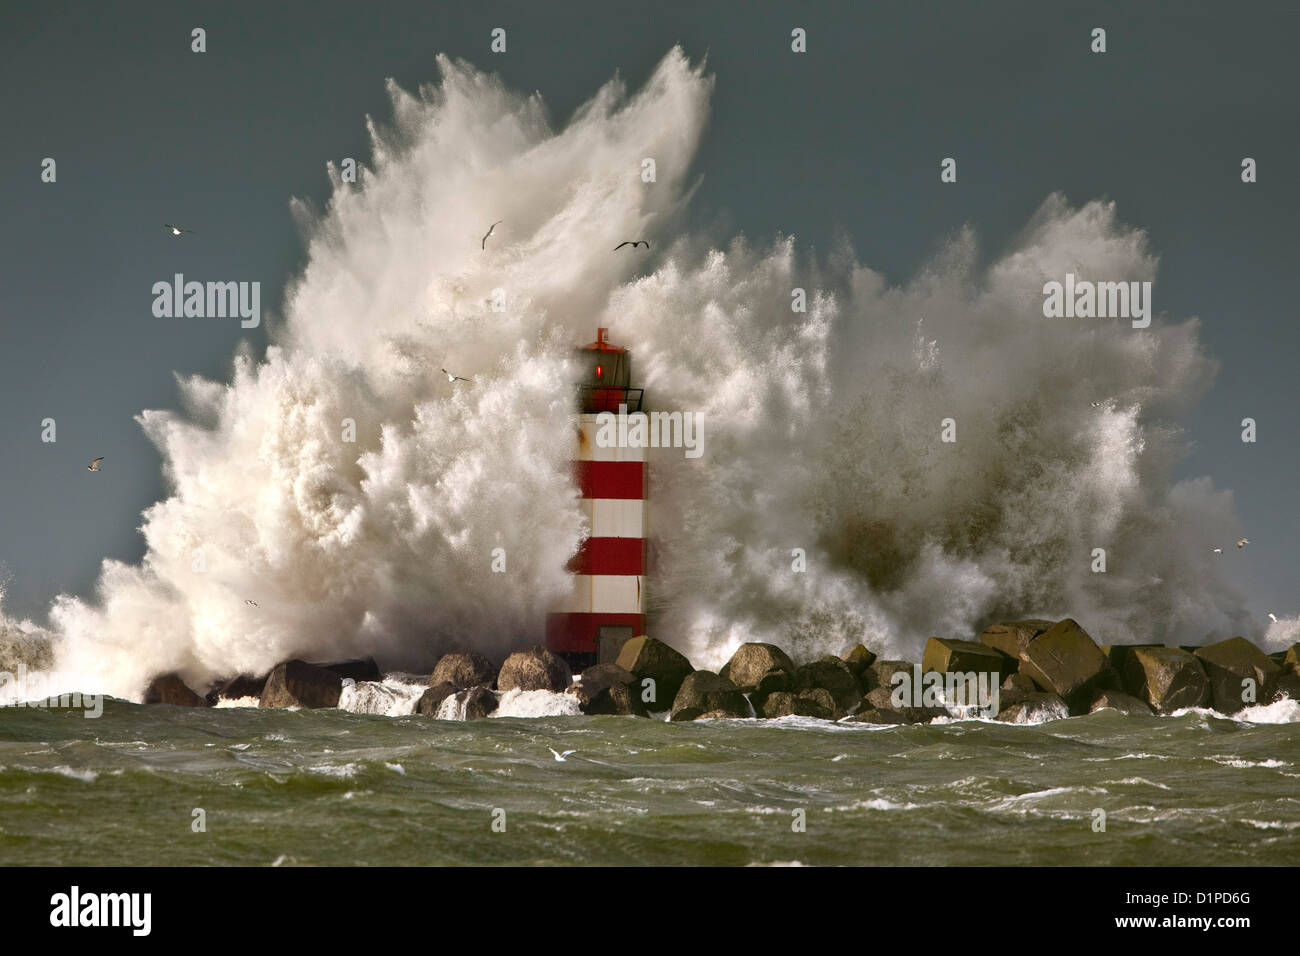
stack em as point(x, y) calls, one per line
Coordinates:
point(845, 139)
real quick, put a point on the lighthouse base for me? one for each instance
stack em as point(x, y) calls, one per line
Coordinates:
point(584, 639)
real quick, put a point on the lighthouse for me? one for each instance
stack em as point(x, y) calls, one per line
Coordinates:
point(606, 607)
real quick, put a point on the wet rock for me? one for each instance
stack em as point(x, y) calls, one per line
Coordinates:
point(703, 692)
point(859, 659)
point(296, 683)
point(463, 669)
point(1167, 678)
point(170, 689)
point(534, 668)
point(1291, 658)
point(784, 704)
point(1065, 661)
point(832, 675)
point(608, 689)
point(1229, 664)
point(1015, 689)
point(881, 674)
point(647, 657)
point(881, 699)
point(477, 702)
point(822, 700)
point(1126, 704)
point(1009, 638)
point(1035, 709)
point(358, 668)
point(961, 657)
point(1118, 654)
point(237, 688)
point(1288, 685)
point(433, 697)
point(759, 670)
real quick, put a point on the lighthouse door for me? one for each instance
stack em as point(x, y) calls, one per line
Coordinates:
point(610, 642)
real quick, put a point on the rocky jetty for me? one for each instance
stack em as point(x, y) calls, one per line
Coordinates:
point(1024, 671)
point(171, 689)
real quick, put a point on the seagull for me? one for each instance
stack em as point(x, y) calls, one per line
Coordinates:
point(94, 465)
point(176, 230)
point(1272, 617)
point(454, 378)
point(483, 244)
point(633, 244)
point(254, 603)
point(559, 758)
point(1096, 404)
point(1243, 542)
point(1218, 551)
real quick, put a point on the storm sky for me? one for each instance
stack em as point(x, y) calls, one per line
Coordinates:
point(842, 142)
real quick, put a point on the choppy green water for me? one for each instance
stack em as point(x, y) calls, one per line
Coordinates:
point(331, 787)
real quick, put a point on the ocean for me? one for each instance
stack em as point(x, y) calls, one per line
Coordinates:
point(334, 787)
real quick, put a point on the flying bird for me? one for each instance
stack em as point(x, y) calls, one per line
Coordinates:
point(633, 244)
point(94, 465)
point(176, 230)
point(1096, 404)
point(1272, 617)
point(1243, 542)
point(254, 603)
point(483, 244)
point(1218, 551)
point(559, 758)
point(454, 378)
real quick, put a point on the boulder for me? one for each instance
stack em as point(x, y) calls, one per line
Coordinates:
point(1015, 689)
point(821, 700)
point(758, 670)
point(961, 657)
point(649, 658)
point(170, 689)
point(534, 668)
point(1126, 704)
point(1118, 654)
point(358, 668)
point(1011, 637)
point(477, 702)
point(463, 669)
point(859, 659)
point(1167, 678)
point(1291, 658)
point(881, 699)
point(833, 676)
point(237, 688)
point(1288, 685)
point(704, 692)
point(1228, 664)
point(296, 683)
point(608, 689)
point(1035, 709)
point(784, 704)
point(1065, 661)
point(881, 674)
point(432, 699)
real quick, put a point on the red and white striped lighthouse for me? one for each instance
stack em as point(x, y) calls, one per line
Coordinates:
point(607, 605)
